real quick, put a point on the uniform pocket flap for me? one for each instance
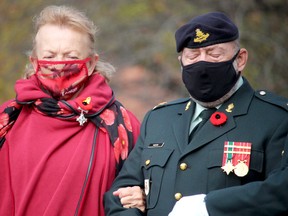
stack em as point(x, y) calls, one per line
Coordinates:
point(155, 157)
point(256, 160)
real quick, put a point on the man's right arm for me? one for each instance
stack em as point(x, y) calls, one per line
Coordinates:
point(129, 176)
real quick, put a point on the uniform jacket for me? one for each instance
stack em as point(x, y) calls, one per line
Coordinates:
point(168, 167)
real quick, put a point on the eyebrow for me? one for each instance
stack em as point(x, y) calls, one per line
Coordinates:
point(65, 53)
point(217, 47)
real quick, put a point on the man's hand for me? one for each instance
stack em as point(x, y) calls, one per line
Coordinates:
point(132, 197)
point(190, 206)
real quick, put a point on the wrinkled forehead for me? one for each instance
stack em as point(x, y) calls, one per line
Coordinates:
point(54, 33)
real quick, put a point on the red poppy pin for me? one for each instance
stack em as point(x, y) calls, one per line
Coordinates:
point(218, 118)
point(84, 103)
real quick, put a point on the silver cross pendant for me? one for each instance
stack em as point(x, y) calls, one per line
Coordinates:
point(82, 119)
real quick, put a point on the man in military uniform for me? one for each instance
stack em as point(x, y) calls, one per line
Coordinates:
point(185, 150)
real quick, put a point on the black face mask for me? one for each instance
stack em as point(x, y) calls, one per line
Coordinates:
point(209, 81)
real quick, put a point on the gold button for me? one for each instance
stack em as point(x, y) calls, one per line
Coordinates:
point(147, 162)
point(183, 166)
point(178, 196)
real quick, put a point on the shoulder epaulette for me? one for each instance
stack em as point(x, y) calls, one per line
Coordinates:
point(178, 101)
point(272, 98)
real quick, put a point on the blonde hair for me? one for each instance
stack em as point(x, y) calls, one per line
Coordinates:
point(72, 18)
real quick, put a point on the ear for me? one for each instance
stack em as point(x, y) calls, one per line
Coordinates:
point(92, 64)
point(242, 59)
point(33, 62)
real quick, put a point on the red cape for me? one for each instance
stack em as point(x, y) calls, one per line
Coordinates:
point(44, 163)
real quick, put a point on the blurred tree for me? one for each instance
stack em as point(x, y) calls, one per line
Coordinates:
point(138, 32)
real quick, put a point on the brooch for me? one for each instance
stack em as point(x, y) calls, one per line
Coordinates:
point(84, 107)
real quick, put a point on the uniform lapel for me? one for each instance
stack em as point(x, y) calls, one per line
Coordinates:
point(240, 102)
point(182, 124)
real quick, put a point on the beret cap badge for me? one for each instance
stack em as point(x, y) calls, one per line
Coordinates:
point(200, 36)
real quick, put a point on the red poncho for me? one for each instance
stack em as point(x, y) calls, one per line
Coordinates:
point(49, 164)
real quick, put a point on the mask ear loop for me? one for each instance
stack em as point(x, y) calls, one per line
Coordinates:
point(236, 55)
point(233, 60)
point(181, 63)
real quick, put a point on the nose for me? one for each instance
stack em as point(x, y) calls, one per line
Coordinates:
point(59, 58)
point(202, 56)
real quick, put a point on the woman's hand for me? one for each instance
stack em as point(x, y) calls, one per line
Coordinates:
point(131, 197)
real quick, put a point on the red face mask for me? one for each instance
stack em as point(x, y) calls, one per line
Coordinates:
point(62, 79)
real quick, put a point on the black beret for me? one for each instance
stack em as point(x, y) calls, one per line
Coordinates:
point(205, 30)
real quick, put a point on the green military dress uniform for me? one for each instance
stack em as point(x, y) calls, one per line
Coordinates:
point(168, 167)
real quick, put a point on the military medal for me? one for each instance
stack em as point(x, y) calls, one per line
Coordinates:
point(241, 169)
point(228, 167)
point(236, 158)
point(227, 159)
point(242, 158)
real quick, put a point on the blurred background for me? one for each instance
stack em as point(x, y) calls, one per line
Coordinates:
point(137, 37)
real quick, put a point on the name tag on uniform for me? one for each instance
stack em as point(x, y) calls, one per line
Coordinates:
point(156, 145)
point(147, 186)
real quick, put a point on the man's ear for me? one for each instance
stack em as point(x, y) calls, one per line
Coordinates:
point(242, 59)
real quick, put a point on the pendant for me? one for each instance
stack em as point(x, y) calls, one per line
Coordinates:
point(82, 119)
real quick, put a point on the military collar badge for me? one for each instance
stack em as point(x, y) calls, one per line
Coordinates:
point(187, 105)
point(230, 108)
point(236, 158)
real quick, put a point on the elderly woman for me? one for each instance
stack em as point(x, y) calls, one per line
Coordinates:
point(64, 137)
